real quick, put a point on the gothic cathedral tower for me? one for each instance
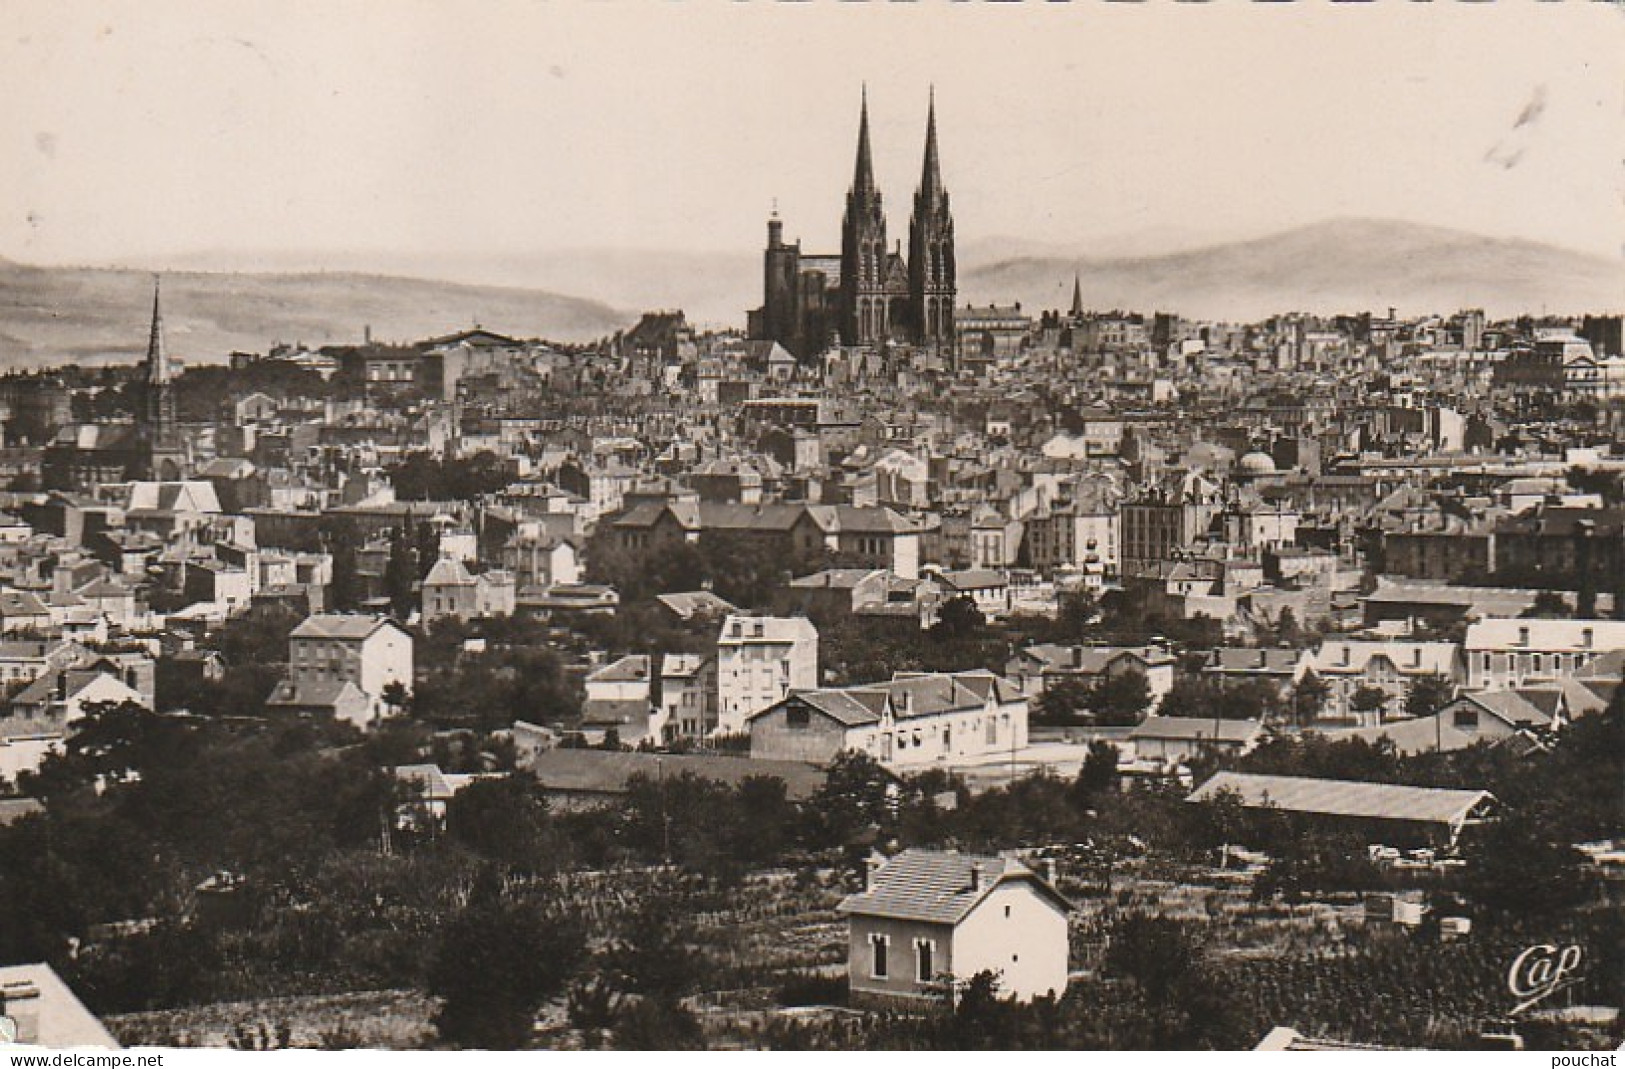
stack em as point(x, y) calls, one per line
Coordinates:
point(931, 275)
point(865, 311)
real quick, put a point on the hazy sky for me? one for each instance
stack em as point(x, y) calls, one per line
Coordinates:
point(166, 126)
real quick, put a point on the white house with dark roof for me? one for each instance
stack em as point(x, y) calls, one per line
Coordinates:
point(1040, 666)
point(912, 721)
point(619, 698)
point(1173, 740)
point(329, 649)
point(1503, 653)
point(928, 920)
point(1346, 665)
point(1238, 664)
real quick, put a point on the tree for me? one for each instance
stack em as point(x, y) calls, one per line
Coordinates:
point(1062, 700)
point(505, 820)
point(1120, 699)
point(495, 964)
point(396, 696)
point(1309, 697)
point(1077, 613)
point(649, 954)
point(401, 571)
point(1515, 868)
point(1428, 694)
point(1548, 605)
point(1288, 632)
point(958, 619)
point(855, 794)
point(1368, 701)
point(1206, 699)
point(1098, 773)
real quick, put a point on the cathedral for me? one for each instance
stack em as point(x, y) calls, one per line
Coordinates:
point(869, 295)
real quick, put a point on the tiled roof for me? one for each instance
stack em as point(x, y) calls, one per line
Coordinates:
point(1264, 661)
point(628, 669)
point(313, 694)
point(1194, 728)
point(340, 626)
point(1414, 736)
point(939, 887)
point(448, 571)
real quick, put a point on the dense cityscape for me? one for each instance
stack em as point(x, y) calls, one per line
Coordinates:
point(886, 671)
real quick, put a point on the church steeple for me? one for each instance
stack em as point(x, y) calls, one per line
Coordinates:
point(931, 272)
point(865, 310)
point(161, 441)
point(158, 370)
point(1077, 295)
point(931, 176)
point(863, 176)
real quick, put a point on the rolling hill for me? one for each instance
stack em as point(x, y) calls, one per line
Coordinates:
point(93, 315)
point(1339, 266)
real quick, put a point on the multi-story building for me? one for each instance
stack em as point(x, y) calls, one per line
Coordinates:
point(1509, 653)
point(760, 660)
point(688, 695)
point(1347, 665)
point(332, 649)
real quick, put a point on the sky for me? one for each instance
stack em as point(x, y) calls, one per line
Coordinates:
point(131, 131)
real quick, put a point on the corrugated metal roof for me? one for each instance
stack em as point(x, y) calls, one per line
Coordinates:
point(1345, 798)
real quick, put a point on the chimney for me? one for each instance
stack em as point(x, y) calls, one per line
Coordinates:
point(20, 1001)
point(978, 876)
point(1077, 656)
point(871, 868)
point(1049, 871)
point(1263, 658)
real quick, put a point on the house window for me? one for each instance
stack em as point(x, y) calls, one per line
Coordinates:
point(878, 945)
point(1466, 719)
point(924, 966)
point(797, 716)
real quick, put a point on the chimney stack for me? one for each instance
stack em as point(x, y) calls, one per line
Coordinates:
point(871, 867)
point(978, 876)
point(20, 1001)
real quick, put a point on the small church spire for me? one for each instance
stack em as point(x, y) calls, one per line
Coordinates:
point(1077, 295)
point(157, 351)
point(864, 176)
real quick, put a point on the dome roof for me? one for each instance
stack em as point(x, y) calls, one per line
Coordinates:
point(1257, 463)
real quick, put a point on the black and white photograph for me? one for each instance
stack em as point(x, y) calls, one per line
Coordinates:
point(803, 525)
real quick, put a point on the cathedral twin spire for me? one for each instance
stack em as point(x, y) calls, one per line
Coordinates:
point(877, 304)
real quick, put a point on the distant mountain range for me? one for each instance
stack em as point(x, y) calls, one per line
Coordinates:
point(1339, 266)
point(55, 315)
point(59, 314)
